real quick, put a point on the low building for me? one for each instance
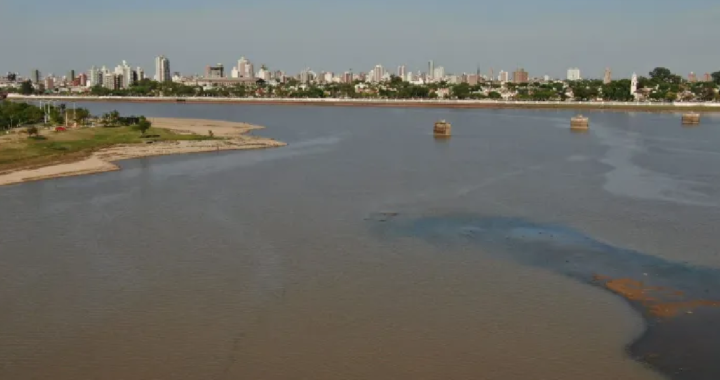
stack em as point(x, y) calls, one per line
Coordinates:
point(222, 82)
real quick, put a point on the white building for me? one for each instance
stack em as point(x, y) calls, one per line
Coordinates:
point(162, 69)
point(94, 77)
point(634, 86)
point(438, 73)
point(402, 73)
point(235, 73)
point(504, 76)
point(140, 73)
point(377, 73)
point(242, 67)
point(305, 76)
point(109, 80)
point(573, 74)
point(249, 70)
point(127, 74)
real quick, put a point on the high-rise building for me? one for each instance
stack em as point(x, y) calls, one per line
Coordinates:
point(431, 69)
point(217, 71)
point(573, 74)
point(82, 79)
point(266, 75)
point(401, 72)
point(93, 79)
point(162, 69)
point(504, 76)
point(347, 77)
point(242, 67)
point(520, 76)
point(35, 76)
point(250, 73)
point(634, 85)
point(692, 77)
point(49, 83)
point(378, 73)
point(608, 76)
point(439, 73)
point(305, 76)
point(109, 80)
point(128, 79)
point(140, 73)
point(708, 77)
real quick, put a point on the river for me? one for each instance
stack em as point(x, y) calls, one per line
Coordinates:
point(366, 249)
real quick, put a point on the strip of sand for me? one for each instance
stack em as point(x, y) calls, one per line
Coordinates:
point(234, 134)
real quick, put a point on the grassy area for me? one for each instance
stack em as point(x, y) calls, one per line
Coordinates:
point(19, 151)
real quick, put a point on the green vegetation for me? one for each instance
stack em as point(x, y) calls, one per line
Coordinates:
point(26, 88)
point(143, 125)
point(17, 114)
point(35, 146)
point(53, 147)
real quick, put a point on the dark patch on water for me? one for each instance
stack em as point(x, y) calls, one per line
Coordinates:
point(679, 302)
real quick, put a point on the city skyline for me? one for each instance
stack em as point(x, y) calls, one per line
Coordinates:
point(489, 35)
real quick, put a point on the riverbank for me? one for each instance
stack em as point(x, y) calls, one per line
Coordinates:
point(400, 103)
point(93, 150)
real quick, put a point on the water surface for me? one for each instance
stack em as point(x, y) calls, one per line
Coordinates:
point(285, 264)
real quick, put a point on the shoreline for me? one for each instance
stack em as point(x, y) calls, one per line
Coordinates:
point(709, 107)
point(104, 160)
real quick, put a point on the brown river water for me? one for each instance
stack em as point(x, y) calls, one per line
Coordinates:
point(366, 249)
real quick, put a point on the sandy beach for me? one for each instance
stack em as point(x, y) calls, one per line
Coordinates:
point(234, 134)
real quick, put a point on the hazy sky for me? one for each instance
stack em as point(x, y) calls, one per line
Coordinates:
point(543, 36)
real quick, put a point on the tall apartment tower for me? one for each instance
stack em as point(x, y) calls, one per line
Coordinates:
point(608, 76)
point(242, 67)
point(504, 76)
point(250, 70)
point(401, 72)
point(162, 69)
point(634, 85)
point(431, 69)
point(378, 73)
point(520, 76)
point(35, 76)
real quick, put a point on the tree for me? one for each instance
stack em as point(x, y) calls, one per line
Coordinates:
point(494, 95)
point(461, 91)
point(716, 77)
point(664, 75)
point(32, 131)
point(26, 88)
point(143, 125)
point(80, 115)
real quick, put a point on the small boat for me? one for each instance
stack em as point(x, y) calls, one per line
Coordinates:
point(579, 123)
point(442, 129)
point(691, 118)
